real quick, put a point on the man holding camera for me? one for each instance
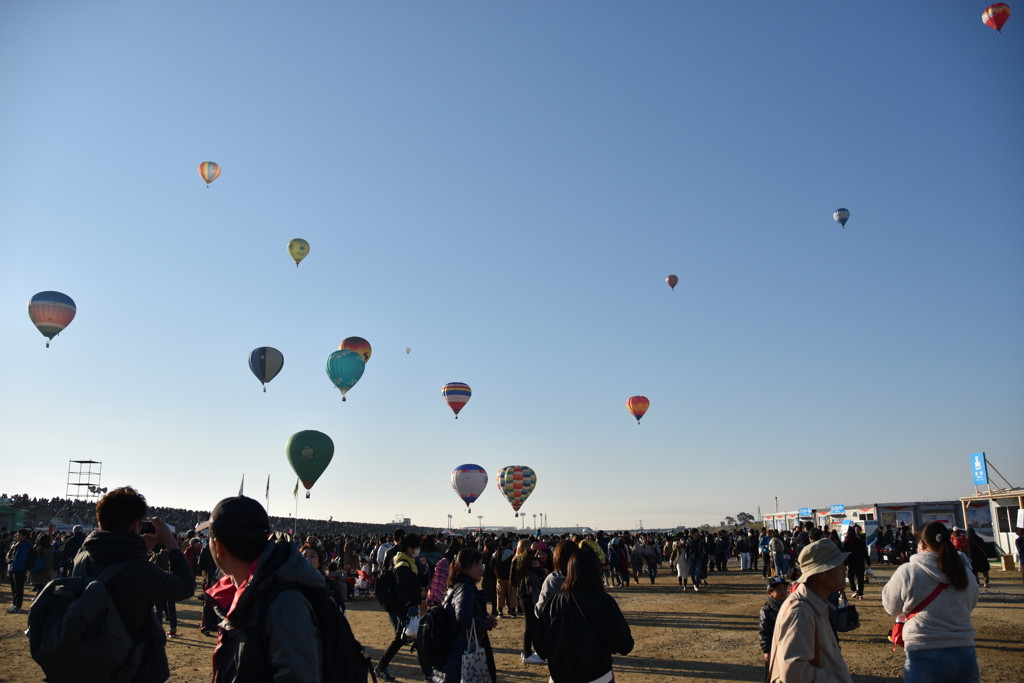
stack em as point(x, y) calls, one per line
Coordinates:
point(122, 538)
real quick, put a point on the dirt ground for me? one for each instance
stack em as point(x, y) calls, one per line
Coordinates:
point(706, 636)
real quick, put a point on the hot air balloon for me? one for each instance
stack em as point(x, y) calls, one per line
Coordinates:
point(309, 453)
point(637, 405)
point(209, 171)
point(407, 349)
point(996, 15)
point(265, 362)
point(469, 481)
point(51, 312)
point(841, 216)
point(457, 395)
point(672, 281)
point(298, 249)
point(517, 483)
point(359, 345)
point(345, 367)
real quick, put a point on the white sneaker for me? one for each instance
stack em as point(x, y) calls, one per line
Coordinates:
point(532, 659)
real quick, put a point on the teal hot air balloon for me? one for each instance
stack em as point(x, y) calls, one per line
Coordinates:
point(309, 453)
point(345, 367)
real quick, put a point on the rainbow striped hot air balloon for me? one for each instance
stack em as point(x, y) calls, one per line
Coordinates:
point(996, 15)
point(517, 483)
point(637, 406)
point(457, 395)
point(51, 312)
point(469, 481)
point(359, 345)
point(209, 171)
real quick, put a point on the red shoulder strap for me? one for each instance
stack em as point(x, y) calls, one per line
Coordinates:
point(927, 601)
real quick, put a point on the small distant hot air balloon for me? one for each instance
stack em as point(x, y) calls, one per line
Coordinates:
point(345, 367)
point(517, 483)
point(209, 171)
point(407, 349)
point(265, 362)
point(469, 481)
point(996, 15)
point(637, 405)
point(359, 345)
point(841, 216)
point(51, 312)
point(457, 395)
point(298, 249)
point(309, 453)
point(672, 281)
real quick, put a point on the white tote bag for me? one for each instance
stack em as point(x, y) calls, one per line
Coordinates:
point(474, 660)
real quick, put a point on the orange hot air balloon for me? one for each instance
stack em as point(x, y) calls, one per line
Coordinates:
point(672, 281)
point(359, 345)
point(996, 15)
point(637, 406)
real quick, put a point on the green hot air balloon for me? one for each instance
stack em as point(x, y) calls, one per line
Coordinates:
point(309, 453)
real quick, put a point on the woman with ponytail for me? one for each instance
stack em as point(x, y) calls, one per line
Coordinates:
point(936, 594)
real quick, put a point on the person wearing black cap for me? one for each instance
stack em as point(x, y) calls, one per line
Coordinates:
point(266, 634)
point(409, 580)
point(141, 583)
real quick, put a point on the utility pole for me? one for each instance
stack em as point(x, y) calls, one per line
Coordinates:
point(449, 522)
point(776, 505)
point(480, 519)
point(534, 521)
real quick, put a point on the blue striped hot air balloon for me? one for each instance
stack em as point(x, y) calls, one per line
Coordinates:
point(51, 312)
point(456, 394)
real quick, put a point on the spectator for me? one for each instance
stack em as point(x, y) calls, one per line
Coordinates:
point(777, 590)
point(141, 583)
point(802, 647)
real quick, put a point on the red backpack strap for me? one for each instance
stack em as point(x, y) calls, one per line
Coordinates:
point(927, 601)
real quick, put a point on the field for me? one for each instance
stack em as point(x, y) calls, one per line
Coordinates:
point(707, 636)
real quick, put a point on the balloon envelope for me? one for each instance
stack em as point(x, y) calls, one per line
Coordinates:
point(265, 362)
point(209, 171)
point(359, 345)
point(345, 367)
point(298, 249)
point(517, 483)
point(637, 405)
point(672, 281)
point(51, 312)
point(469, 481)
point(841, 216)
point(309, 453)
point(996, 15)
point(456, 394)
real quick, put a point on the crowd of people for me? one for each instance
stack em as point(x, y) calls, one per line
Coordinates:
point(267, 595)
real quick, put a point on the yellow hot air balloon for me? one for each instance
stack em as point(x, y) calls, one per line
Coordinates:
point(298, 249)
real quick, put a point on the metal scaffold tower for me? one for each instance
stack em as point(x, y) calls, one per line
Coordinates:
point(84, 480)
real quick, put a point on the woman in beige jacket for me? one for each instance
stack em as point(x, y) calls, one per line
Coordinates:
point(804, 649)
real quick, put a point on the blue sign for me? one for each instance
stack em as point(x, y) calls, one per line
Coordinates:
point(805, 512)
point(837, 509)
point(979, 468)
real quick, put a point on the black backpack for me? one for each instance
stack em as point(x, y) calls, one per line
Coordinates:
point(343, 659)
point(386, 589)
point(75, 632)
point(436, 636)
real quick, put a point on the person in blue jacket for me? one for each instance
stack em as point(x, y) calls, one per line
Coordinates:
point(19, 568)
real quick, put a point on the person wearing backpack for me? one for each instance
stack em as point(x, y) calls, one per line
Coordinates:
point(466, 607)
point(42, 570)
point(409, 580)
point(134, 589)
point(19, 557)
point(268, 629)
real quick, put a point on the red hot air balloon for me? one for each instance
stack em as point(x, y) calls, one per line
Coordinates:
point(672, 281)
point(996, 15)
point(51, 312)
point(456, 394)
point(359, 345)
point(637, 405)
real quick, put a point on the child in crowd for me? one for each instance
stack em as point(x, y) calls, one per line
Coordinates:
point(778, 590)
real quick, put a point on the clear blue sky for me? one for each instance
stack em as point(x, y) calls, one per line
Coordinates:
point(503, 188)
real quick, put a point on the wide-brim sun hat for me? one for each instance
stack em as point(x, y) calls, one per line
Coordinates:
point(819, 557)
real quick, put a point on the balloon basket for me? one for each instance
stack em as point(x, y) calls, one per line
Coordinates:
point(342, 398)
point(264, 389)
